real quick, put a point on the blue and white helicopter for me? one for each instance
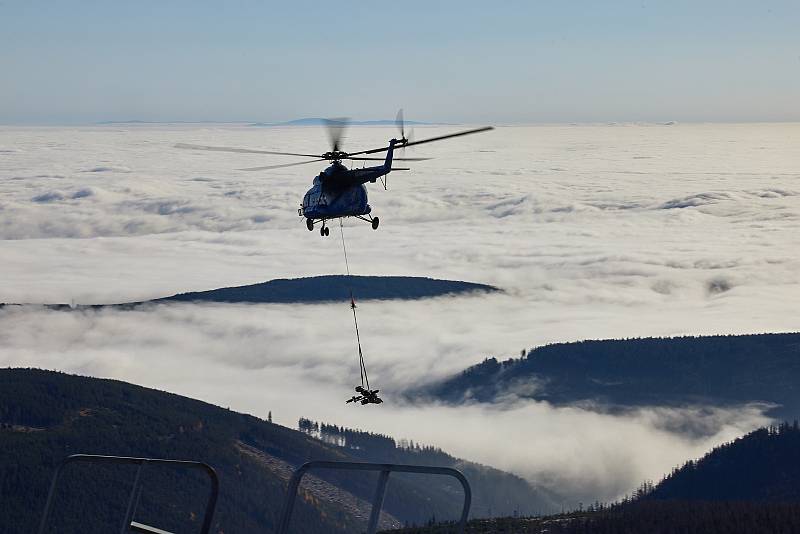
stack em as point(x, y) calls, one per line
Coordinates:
point(339, 192)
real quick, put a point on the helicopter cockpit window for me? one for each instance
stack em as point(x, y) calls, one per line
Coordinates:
point(314, 197)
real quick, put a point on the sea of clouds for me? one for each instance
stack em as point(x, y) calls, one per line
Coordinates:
point(593, 231)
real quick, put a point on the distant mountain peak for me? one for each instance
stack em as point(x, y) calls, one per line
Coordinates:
point(319, 121)
point(332, 288)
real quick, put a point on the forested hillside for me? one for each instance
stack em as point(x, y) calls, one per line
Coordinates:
point(334, 288)
point(720, 370)
point(764, 465)
point(45, 416)
point(494, 492)
point(748, 486)
point(312, 290)
point(652, 517)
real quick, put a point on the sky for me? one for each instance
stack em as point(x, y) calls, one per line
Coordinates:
point(466, 62)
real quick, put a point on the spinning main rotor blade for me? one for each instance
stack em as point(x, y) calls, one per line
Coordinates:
point(429, 140)
point(268, 167)
point(336, 129)
point(393, 159)
point(241, 150)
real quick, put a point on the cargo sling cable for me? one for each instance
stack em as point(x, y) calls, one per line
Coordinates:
point(365, 394)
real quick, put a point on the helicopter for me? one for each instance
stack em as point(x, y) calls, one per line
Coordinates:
point(338, 192)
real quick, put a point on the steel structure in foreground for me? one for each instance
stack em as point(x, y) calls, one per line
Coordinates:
point(128, 524)
point(380, 491)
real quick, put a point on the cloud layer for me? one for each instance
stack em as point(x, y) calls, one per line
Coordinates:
point(594, 231)
point(268, 358)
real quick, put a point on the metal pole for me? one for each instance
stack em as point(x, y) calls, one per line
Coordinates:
point(126, 523)
point(291, 494)
point(385, 470)
point(462, 523)
point(136, 491)
point(211, 505)
point(377, 502)
point(48, 505)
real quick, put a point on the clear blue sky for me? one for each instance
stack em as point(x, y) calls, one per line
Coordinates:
point(466, 61)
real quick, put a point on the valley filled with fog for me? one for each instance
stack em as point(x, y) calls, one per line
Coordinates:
point(591, 231)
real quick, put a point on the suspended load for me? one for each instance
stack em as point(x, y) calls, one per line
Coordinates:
point(365, 395)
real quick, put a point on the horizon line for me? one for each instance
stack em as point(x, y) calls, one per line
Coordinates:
point(360, 123)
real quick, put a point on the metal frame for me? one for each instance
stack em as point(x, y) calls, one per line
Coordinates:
point(364, 217)
point(367, 218)
point(133, 501)
point(380, 491)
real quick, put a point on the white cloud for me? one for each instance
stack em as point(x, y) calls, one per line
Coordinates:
point(569, 220)
point(274, 358)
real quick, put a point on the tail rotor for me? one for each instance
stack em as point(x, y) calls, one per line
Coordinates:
point(400, 123)
point(401, 126)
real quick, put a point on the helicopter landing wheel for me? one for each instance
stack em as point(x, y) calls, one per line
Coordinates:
point(375, 222)
point(324, 231)
point(327, 231)
point(310, 225)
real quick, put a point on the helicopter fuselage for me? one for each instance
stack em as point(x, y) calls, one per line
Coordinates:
point(340, 192)
point(327, 201)
point(335, 193)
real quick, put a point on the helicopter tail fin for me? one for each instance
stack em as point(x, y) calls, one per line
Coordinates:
point(387, 165)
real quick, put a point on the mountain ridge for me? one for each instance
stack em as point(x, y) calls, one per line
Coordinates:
point(46, 416)
point(724, 370)
point(319, 121)
point(314, 290)
point(750, 485)
point(304, 121)
point(759, 466)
